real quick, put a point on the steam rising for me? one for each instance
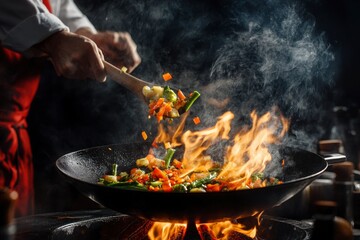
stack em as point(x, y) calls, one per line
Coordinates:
point(278, 61)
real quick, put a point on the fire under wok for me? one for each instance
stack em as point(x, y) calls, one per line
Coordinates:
point(84, 168)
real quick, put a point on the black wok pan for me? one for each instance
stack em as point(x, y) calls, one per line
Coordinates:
point(83, 169)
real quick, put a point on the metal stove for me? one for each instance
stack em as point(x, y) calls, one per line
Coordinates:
point(107, 224)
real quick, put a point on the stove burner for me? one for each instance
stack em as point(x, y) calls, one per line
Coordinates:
point(126, 227)
point(110, 225)
point(107, 228)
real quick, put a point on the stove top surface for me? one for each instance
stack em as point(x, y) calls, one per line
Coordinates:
point(110, 225)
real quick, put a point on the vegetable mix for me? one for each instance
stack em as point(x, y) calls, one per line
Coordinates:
point(169, 175)
point(164, 102)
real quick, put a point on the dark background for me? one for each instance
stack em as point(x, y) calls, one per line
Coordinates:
point(184, 38)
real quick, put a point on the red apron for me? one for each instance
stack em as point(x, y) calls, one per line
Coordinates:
point(19, 80)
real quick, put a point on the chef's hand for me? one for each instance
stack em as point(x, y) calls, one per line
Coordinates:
point(74, 56)
point(117, 47)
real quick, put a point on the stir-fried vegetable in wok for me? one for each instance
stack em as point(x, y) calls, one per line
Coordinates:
point(164, 102)
point(169, 175)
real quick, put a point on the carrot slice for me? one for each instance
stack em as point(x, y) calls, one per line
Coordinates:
point(160, 114)
point(154, 144)
point(159, 103)
point(167, 76)
point(144, 135)
point(196, 120)
point(157, 173)
point(181, 95)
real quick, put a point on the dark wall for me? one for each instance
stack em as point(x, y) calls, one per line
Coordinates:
point(340, 22)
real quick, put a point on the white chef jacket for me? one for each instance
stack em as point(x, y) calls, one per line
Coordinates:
point(24, 23)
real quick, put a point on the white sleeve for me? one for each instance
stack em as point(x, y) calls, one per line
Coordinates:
point(24, 23)
point(71, 15)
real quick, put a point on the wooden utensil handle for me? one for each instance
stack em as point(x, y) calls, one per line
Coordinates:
point(126, 80)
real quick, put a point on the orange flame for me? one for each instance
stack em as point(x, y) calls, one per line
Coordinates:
point(218, 230)
point(247, 154)
point(196, 143)
point(224, 230)
point(161, 230)
point(171, 134)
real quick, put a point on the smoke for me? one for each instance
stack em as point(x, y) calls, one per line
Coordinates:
point(278, 60)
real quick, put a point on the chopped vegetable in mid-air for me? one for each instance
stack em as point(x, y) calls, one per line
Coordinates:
point(196, 120)
point(124, 69)
point(144, 135)
point(167, 76)
point(164, 102)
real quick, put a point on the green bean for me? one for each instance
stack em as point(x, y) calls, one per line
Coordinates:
point(169, 154)
point(114, 169)
point(202, 181)
point(128, 185)
point(180, 188)
point(195, 95)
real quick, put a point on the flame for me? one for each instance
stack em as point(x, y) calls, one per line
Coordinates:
point(196, 143)
point(171, 133)
point(224, 230)
point(246, 153)
point(217, 230)
point(249, 154)
point(161, 230)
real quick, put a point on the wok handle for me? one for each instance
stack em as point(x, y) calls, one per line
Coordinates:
point(333, 158)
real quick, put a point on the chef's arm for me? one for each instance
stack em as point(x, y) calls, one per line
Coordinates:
point(24, 23)
point(71, 16)
point(27, 26)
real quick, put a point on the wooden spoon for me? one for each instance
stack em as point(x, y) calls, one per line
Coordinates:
point(126, 80)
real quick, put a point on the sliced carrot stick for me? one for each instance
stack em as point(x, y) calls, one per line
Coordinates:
point(154, 144)
point(181, 95)
point(159, 103)
point(144, 135)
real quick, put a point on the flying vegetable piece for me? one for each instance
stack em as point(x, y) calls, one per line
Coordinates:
point(167, 76)
point(144, 135)
point(194, 96)
point(196, 120)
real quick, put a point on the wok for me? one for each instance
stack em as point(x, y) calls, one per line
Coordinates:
point(83, 169)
